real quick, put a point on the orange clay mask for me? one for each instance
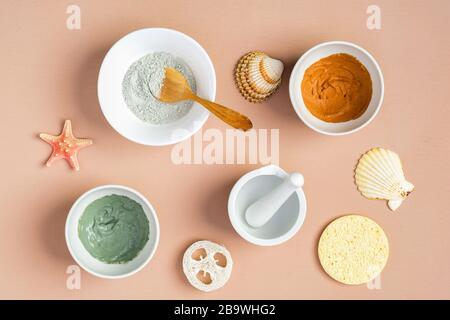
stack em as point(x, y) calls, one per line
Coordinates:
point(337, 88)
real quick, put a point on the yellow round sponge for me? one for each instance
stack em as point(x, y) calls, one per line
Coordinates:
point(353, 249)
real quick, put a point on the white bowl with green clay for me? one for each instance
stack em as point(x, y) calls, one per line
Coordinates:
point(112, 231)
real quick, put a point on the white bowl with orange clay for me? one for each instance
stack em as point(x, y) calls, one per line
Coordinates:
point(321, 51)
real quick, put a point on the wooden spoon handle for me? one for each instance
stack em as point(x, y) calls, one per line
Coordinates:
point(233, 118)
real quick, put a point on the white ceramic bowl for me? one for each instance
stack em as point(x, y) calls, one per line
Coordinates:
point(129, 49)
point(321, 51)
point(82, 256)
point(286, 222)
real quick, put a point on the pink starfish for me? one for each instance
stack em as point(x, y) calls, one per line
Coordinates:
point(65, 146)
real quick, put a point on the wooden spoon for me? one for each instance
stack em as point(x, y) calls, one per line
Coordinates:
point(176, 88)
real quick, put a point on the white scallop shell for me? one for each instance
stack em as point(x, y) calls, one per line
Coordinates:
point(208, 264)
point(258, 76)
point(379, 175)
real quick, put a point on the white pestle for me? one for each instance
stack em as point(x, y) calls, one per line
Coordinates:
point(262, 210)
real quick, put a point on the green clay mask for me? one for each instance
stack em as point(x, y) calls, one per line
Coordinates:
point(113, 229)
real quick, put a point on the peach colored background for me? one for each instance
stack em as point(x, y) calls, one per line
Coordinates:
point(49, 74)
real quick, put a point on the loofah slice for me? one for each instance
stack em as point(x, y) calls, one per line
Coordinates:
point(209, 271)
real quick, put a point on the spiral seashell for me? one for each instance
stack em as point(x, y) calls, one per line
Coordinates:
point(258, 76)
